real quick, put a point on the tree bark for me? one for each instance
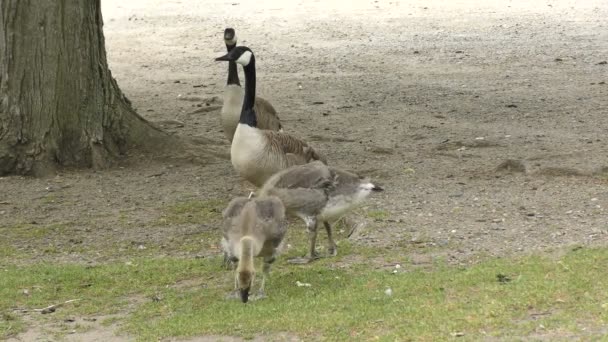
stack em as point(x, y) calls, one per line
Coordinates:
point(59, 104)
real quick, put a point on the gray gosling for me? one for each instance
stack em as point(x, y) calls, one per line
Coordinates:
point(256, 153)
point(315, 192)
point(233, 98)
point(252, 228)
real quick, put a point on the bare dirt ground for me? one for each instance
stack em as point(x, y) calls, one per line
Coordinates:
point(485, 121)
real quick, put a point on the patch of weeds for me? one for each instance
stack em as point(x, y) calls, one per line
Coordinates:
point(49, 199)
point(378, 215)
point(27, 231)
point(10, 325)
point(203, 241)
point(192, 211)
point(108, 321)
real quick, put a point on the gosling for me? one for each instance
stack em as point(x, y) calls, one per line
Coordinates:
point(253, 228)
point(315, 192)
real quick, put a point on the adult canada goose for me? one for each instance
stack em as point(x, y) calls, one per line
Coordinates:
point(252, 228)
point(315, 192)
point(257, 154)
point(233, 98)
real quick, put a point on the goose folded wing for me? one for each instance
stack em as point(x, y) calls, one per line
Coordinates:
point(289, 145)
point(312, 176)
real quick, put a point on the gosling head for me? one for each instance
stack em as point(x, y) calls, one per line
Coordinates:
point(245, 279)
point(369, 187)
point(230, 37)
point(240, 54)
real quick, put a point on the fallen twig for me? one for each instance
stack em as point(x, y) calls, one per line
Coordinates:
point(52, 308)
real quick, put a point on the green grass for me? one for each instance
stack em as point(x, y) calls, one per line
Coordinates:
point(192, 211)
point(507, 298)
point(378, 215)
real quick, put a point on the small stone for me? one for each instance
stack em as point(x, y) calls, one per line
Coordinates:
point(388, 292)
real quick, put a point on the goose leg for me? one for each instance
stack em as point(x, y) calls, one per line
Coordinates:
point(311, 225)
point(332, 249)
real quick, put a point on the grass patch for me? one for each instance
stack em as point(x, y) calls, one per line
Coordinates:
point(378, 215)
point(26, 231)
point(505, 298)
point(192, 211)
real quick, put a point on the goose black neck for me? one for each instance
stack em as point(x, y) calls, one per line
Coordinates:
point(233, 75)
point(248, 115)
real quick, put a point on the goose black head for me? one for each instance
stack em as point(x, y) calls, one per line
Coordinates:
point(229, 37)
point(240, 54)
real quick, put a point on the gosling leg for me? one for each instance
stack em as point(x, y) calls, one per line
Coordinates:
point(311, 225)
point(332, 248)
point(265, 274)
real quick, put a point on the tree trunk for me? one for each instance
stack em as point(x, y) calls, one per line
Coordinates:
point(59, 104)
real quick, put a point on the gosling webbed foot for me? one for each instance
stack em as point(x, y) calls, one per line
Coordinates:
point(304, 260)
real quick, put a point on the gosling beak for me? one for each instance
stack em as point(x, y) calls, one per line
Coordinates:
point(225, 57)
point(244, 294)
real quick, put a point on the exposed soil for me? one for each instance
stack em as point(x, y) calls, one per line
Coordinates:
point(485, 121)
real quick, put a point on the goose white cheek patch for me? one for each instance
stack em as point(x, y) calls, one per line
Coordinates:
point(245, 58)
point(230, 41)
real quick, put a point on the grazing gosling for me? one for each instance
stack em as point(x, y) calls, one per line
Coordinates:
point(233, 98)
point(257, 154)
point(252, 228)
point(315, 192)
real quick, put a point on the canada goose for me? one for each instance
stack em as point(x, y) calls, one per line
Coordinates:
point(257, 154)
point(315, 192)
point(252, 228)
point(233, 98)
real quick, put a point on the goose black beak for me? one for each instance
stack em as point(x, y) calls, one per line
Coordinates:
point(225, 57)
point(244, 294)
point(377, 188)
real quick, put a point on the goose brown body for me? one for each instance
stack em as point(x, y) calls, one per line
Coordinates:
point(258, 154)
